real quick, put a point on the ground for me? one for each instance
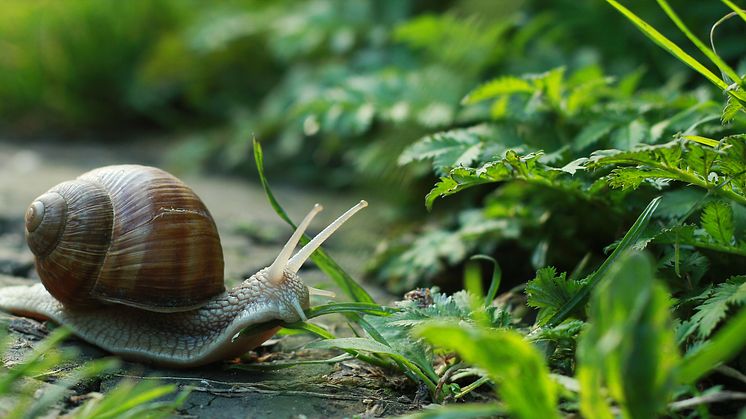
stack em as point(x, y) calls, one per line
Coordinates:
point(251, 235)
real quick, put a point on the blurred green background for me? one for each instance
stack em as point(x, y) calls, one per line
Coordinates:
point(346, 84)
point(337, 89)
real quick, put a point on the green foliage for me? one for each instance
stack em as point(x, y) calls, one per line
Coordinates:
point(719, 170)
point(524, 383)
point(715, 305)
point(629, 346)
point(717, 221)
point(725, 345)
point(548, 292)
point(126, 400)
point(319, 257)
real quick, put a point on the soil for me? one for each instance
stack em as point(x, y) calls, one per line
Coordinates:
point(251, 235)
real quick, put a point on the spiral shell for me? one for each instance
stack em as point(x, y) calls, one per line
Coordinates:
point(128, 234)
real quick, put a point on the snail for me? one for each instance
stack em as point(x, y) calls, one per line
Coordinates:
point(130, 260)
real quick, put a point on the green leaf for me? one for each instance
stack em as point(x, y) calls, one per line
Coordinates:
point(592, 133)
point(717, 220)
point(719, 171)
point(508, 359)
point(505, 85)
point(702, 140)
point(373, 346)
point(549, 292)
point(495, 280)
point(512, 166)
point(319, 257)
point(459, 147)
point(716, 304)
point(629, 345)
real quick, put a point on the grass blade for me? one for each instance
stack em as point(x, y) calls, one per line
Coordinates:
point(350, 307)
point(496, 278)
point(668, 45)
point(722, 65)
point(319, 257)
point(629, 239)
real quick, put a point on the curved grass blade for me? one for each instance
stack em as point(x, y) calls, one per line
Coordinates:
point(496, 278)
point(719, 62)
point(319, 257)
point(668, 45)
point(629, 239)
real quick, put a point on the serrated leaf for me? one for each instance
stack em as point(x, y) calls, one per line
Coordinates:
point(626, 178)
point(717, 303)
point(526, 167)
point(731, 109)
point(501, 86)
point(459, 147)
point(549, 291)
point(717, 220)
point(574, 166)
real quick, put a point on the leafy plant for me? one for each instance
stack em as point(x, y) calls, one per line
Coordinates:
point(127, 399)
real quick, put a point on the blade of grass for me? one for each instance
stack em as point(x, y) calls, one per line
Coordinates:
point(702, 140)
point(311, 328)
point(668, 45)
point(319, 257)
point(323, 334)
point(31, 361)
point(722, 65)
point(629, 239)
point(53, 395)
point(496, 278)
point(350, 307)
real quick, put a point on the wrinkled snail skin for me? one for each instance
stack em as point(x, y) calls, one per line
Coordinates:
point(130, 261)
point(180, 340)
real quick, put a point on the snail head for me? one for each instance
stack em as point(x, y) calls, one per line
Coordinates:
point(282, 275)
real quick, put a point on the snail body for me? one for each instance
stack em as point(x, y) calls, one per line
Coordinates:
point(130, 261)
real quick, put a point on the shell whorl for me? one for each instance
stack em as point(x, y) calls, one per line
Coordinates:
point(69, 231)
point(133, 235)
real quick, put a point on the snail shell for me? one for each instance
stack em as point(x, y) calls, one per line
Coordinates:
point(127, 234)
